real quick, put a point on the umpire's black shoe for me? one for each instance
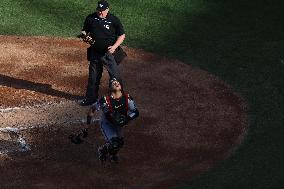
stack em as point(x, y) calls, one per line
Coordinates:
point(87, 102)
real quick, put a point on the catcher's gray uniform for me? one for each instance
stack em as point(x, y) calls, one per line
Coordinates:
point(116, 114)
point(125, 108)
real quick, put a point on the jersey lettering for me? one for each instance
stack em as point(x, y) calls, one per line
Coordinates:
point(106, 26)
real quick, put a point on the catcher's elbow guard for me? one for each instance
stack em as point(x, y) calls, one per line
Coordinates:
point(133, 115)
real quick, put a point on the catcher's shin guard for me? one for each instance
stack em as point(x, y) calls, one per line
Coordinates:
point(110, 149)
point(115, 144)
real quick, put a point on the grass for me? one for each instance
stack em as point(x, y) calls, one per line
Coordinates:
point(241, 41)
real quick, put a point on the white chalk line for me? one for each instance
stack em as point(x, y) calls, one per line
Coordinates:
point(23, 145)
point(42, 106)
point(16, 131)
point(37, 114)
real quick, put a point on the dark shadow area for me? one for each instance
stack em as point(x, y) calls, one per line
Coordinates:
point(37, 87)
point(242, 42)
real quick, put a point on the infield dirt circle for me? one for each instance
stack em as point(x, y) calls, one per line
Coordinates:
point(189, 119)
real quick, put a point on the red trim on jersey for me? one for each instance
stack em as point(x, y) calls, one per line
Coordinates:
point(109, 103)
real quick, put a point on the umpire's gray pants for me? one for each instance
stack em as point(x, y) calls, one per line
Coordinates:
point(95, 73)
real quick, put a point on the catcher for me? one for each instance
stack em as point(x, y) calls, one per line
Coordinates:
point(118, 108)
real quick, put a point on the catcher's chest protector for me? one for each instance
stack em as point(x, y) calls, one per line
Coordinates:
point(118, 105)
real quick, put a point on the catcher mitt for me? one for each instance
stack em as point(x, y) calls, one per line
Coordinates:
point(77, 137)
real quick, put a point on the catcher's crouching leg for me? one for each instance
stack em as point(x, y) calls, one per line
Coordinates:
point(114, 146)
point(111, 148)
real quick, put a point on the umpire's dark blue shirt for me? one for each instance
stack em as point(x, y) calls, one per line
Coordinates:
point(104, 30)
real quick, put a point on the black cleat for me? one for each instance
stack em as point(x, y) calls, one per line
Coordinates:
point(87, 102)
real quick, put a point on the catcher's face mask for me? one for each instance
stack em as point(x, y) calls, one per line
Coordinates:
point(115, 85)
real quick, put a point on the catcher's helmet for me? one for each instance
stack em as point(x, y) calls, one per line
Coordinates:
point(112, 80)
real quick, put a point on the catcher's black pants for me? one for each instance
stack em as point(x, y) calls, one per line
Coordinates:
point(95, 73)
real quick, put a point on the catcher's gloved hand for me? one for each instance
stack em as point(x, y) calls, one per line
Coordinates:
point(118, 119)
point(78, 137)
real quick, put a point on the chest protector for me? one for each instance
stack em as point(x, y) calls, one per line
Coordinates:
point(118, 109)
point(118, 105)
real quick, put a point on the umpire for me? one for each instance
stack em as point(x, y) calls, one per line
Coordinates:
point(108, 33)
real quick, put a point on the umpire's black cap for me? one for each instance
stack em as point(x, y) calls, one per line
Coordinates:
point(102, 5)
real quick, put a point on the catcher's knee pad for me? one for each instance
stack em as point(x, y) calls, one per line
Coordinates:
point(115, 144)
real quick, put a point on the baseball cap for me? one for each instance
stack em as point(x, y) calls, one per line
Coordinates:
point(102, 5)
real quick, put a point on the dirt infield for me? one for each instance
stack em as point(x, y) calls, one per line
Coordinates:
point(190, 120)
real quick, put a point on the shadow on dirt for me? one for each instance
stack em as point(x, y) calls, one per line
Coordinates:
point(53, 158)
point(54, 161)
point(8, 146)
point(37, 87)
